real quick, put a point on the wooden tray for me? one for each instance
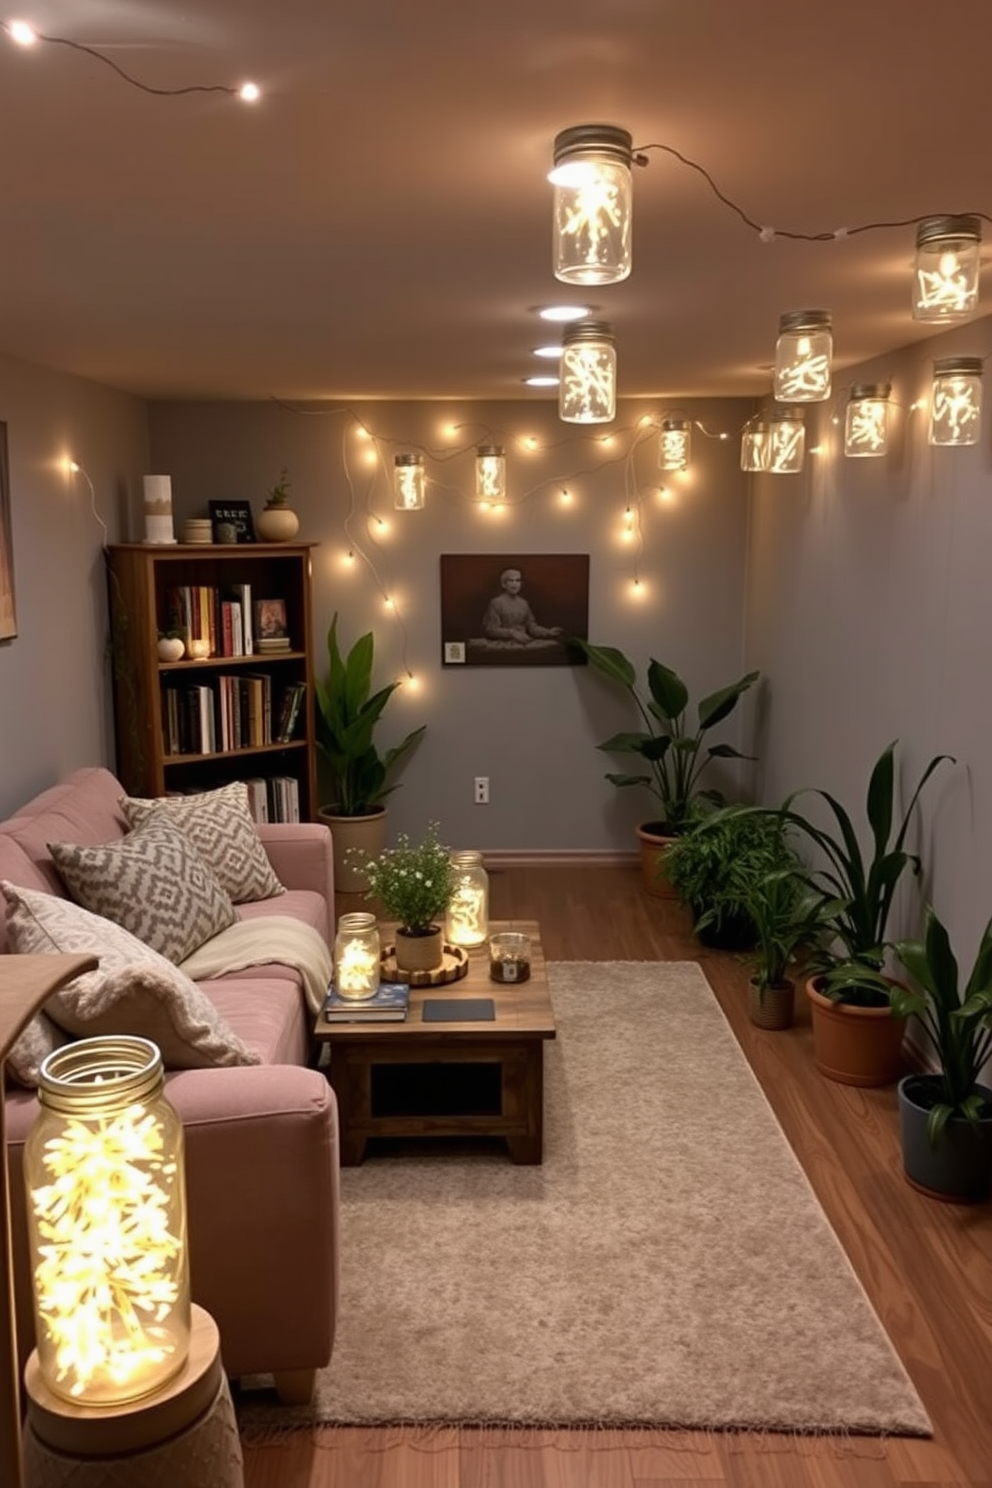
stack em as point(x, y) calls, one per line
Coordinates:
point(454, 965)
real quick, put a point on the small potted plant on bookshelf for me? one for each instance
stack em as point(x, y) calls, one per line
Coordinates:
point(413, 884)
point(277, 522)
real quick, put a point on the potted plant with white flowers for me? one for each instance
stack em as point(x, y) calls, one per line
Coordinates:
point(413, 884)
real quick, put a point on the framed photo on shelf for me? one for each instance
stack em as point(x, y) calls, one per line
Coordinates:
point(231, 522)
point(513, 609)
point(8, 618)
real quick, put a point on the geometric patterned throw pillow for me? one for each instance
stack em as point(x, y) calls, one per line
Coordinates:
point(153, 882)
point(133, 990)
point(220, 826)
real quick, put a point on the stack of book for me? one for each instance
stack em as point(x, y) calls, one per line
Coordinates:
point(390, 1004)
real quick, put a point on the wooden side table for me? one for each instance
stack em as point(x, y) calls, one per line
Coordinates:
point(185, 1433)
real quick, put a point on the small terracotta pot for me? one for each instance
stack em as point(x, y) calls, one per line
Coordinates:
point(855, 1045)
point(773, 1008)
point(654, 846)
point(419, 952)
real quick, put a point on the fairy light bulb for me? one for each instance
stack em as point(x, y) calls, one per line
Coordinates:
point(249, 92)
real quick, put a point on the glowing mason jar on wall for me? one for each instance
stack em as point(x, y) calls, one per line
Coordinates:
point(803, 354)
point(866, 421)
point(754, 445)
point(674, 443)
point(356, 956)
point(490, 472)
point(106, 1203)
point(786, 441)
point(592, 206)
point(945, 281)
point(408, 482)
point(587, 390)
point(956, 401)
point(467, 921)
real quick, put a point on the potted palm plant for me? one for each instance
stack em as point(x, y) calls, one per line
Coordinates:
point(348, 713)
point(945, 1116)
point(673, 749)
point(857, 1028)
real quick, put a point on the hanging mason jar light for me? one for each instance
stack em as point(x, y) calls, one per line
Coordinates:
point(356, 956)
point(956, 400)
point(675, 443)
point(587, 391)
point(803, 353)
point(754, 445)
point(786, 441)
point(490, 472)
point(467, 921)
point(408, 482)
point(106, 1205)
point(866, 421)
point(945, 280)
point(592, 206)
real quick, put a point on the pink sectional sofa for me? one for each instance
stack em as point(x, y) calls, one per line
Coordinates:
point(261, 1140)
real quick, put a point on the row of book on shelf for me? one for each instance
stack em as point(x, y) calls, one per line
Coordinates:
point(274, 799)
point(230, 711)
point(232, 621)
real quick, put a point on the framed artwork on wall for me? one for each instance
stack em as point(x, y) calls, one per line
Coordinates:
point(513, 609)
point(8, 618)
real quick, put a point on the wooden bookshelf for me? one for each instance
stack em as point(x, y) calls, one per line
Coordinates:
point(153, 758)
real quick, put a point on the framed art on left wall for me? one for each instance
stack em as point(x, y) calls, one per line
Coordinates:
point(8, 619)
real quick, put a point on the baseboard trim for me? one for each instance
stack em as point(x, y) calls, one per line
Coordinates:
point(576, 857)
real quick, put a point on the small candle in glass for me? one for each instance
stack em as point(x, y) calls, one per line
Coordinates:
point(509, 956)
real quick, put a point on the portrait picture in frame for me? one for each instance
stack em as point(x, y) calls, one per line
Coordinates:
point(513, 609)
point(232, 522)
point(8, 616)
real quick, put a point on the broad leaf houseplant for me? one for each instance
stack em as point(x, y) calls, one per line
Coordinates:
point(945, 1115)
point(348, 715)
point(672, 748)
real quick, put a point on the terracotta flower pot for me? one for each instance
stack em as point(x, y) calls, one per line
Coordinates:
point(773, 1007)
point(855, 1045)
point(654, 845)
point(419, 952)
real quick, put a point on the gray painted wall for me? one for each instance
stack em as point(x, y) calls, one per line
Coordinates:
point(55, 710)
point(533, 731)
point(867, 609)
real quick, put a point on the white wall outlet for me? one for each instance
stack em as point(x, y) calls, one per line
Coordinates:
point(482, 790)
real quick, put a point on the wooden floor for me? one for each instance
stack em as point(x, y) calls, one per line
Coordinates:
point(926, 1266)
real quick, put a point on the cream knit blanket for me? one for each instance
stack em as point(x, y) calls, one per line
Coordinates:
point(279, 939)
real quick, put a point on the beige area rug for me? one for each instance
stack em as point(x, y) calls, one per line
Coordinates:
point(667, 1265)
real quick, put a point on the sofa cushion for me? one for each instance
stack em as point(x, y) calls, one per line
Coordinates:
point(40, 1038)
point(152, 882)
point(133, 990)
point(220, 826)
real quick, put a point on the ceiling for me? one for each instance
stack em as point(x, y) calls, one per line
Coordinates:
point(379, 224)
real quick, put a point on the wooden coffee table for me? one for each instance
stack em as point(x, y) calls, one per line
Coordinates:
point(464, 1079)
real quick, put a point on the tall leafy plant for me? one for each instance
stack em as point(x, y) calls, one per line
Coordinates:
point(863, 884)
point(348, 712)
point(672, 747)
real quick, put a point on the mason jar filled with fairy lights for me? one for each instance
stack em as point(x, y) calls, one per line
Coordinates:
point(467, 918)
point(356, 956)
point(106, 1208)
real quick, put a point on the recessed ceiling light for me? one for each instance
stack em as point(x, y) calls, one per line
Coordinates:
point(541, 381)
point(564, 312)
point(551, 352)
